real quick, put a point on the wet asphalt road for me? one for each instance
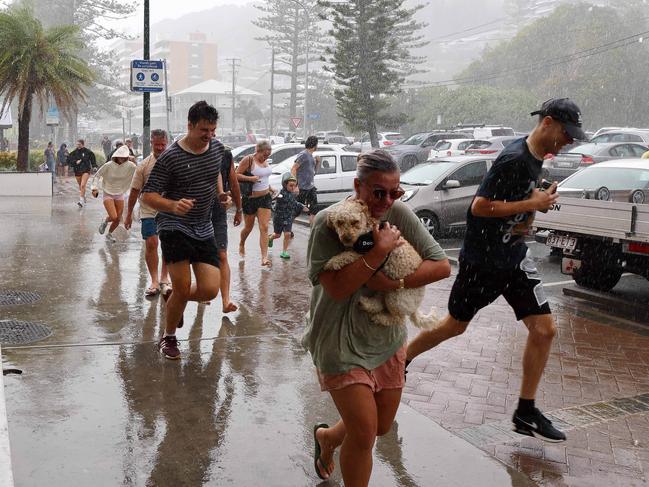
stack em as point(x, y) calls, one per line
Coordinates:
point(97, 405)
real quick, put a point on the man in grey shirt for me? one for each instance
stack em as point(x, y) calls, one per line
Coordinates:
point(304, 170)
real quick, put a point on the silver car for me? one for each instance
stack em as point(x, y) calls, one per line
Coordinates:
point(564, 164)
point(441, 191)
point(625, 180)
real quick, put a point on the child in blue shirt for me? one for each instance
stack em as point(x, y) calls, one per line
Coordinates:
point(287, 207)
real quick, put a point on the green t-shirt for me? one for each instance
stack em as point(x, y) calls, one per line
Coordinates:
point(339, 335)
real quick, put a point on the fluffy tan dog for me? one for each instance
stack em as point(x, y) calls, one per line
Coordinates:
point(351, 219)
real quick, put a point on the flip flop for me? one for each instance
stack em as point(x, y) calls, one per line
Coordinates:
point(316, 454)
point(152, 291)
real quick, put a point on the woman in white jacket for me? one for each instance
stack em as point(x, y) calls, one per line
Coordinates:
point(115, 176)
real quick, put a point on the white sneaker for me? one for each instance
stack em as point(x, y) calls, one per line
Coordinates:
point(110, 238)
point(102, 227)
point(80, 203)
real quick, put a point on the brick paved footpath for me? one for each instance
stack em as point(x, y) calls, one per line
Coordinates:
point(596, 388)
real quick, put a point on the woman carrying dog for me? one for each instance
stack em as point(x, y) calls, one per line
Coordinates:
point(258, 203)
point(359, 363)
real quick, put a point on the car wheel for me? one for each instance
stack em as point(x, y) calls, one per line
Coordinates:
point(408, 162)
point(429, 220)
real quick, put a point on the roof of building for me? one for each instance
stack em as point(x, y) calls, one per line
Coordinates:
point(214, 87)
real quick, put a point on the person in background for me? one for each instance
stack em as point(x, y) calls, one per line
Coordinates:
point(286, 209)
point(62, 159)
point(82, 160)
point(106, 146)
point(258, 203)
point(115, 177)
point(220, 224)
point(149, 229)
point(50, 159)
point(304, 170)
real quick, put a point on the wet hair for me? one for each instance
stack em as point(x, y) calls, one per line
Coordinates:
point(201, 110)
point(159, 134)
point(128, 140)
point(374, 160)
point(81, 141)
point(118, 143)
point(262, 145)
point(63, 146)
point(311, 142)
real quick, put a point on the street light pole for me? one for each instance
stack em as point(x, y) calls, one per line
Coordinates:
point(306, 74)
point(146, 108)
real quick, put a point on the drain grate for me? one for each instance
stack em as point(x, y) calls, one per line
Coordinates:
point(18, 297)
point(21, 332)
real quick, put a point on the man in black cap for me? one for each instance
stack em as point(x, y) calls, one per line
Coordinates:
point(494, 259)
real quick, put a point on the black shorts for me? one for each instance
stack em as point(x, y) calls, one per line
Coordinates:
point(477, 286)
point(251, 205)
point(281, 226)
point(309, 198)
point(220, 224)
point(177, 247)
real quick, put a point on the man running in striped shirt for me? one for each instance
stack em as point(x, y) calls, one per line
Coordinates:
point(183, 186)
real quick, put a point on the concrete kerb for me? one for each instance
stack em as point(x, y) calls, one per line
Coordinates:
point(6, 473)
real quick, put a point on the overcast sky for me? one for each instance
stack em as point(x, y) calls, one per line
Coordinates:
point(171, 9)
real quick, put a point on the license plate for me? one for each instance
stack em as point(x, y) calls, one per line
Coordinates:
point(563, 164)
point(562, 241)
point(568, 265)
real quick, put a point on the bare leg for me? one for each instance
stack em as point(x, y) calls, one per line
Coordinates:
point(248, 224)
point(151, 259)
point(228, 306)
point(181, 280)
point(119, 210)
point(263, 217)
point(449, 327)
point(287, 241)
point(111, 210)
point(82, 184)
point(537, 349)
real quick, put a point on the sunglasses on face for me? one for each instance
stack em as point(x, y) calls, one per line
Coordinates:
point(382, 193)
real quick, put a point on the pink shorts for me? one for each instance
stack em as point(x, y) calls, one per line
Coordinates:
point(115, 197)
point(388, 375)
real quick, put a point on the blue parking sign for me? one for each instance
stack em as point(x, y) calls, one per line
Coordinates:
point(146, 75)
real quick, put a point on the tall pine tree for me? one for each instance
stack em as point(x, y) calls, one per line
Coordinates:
point(292, 27)
point(372, 56)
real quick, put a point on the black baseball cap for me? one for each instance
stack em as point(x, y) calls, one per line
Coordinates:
point(565, 111)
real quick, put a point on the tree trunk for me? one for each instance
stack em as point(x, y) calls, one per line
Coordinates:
point(294, 60)
point(25, 116)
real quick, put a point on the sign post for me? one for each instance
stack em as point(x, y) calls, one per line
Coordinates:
point(147, 76)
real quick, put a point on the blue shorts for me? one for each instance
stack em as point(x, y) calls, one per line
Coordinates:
point(149, 228)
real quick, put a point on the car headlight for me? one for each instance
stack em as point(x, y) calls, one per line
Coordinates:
point(408, 194)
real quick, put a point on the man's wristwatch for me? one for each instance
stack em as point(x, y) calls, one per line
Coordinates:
point(402, 283)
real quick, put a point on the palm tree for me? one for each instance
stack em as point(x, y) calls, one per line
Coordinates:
point(41, 63)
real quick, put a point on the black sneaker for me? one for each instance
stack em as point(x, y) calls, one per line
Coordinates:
point(168, 347)
point(538, 426)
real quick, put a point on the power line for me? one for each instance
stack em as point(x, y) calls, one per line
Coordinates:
point(634, 39)
point(469, 29)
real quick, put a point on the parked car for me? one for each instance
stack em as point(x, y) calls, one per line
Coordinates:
point(332, 137)
point(448, 148)
point(334, 177)
point(489, 131)
point(242, 151)
point(440, 192)
point(234, 140)
point(386, 139)
point(559, 167)
point(492, 146)
point(281, 152)
point(416, 148)
point(622, 135)
point(624, 180)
